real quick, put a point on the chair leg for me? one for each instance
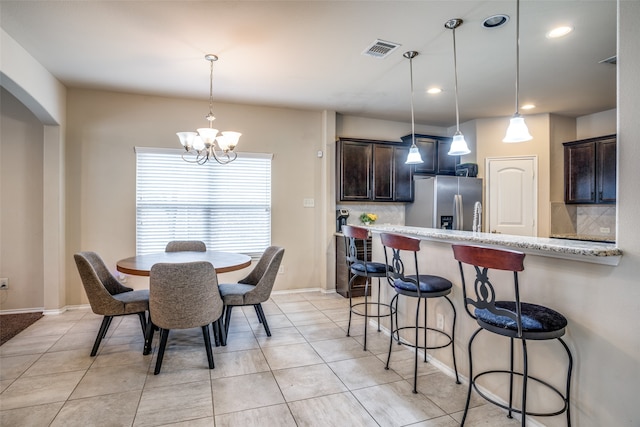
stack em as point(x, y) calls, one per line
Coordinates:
point(106, 321)
point(366, 311)
point(378, 304)
point(511, 367)
point(453, 339)
point(223, 335)
point(216, 333)
point(258, 314)
point(207, 344)
point(471, 379)
point(264, 318)
point(227, 318)
point(395, 298)
point(568, 392)
point(525, 374)
point(425, 330)
point(143, 322)
point(148, 337)
point(164, 334)
point(350, 305)
point(415, 357)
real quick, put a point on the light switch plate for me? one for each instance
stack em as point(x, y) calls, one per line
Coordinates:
point(308, 203)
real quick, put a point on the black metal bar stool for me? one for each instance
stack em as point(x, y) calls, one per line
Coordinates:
point(513, 319)
point(362, 267)
point(420, 286)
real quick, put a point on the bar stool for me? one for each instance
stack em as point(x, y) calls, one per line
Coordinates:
point(421, 287)
point(362, 267)
point(513, 319)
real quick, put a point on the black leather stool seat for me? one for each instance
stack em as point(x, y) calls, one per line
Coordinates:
point(369, 269)
point(536, 320)
point(428, 283)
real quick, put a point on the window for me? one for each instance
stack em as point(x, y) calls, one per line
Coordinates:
point(226, 206)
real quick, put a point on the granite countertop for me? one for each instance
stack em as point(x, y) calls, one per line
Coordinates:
point(603, 239)
point(586, 251)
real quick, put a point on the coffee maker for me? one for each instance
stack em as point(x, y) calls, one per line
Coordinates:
point(341, 218)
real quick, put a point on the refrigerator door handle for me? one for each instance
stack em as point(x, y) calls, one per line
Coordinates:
point(457, 212)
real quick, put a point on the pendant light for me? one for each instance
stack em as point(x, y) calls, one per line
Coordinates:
point(458, 145)
point(517, 130)
point(414, 157)
point(200, 146)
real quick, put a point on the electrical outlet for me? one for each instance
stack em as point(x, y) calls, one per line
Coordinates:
point(281, 269)
point(605, 230)
point(440, 322)
point(4, 283)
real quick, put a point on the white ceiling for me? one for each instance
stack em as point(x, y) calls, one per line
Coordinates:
point(307, 54)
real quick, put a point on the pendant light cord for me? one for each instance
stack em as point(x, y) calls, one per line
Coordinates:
point(517, 55)
point(413, 130)
point(455, 79)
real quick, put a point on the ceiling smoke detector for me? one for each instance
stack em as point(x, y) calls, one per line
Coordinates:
point(380, 49)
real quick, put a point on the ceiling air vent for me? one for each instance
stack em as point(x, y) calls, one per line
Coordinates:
point(611, 60)
point(380, 49)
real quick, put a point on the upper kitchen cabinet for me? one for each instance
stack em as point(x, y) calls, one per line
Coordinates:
point(433, 150)
point(590, 170)
point(373, 171)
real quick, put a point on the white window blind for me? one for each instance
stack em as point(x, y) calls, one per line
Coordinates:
point(226, 206)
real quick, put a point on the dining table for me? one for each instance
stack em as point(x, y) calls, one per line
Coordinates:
point(223, 262)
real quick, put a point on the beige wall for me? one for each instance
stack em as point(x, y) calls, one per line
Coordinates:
point(103, 130)
point(489, 134)
point(21, 210)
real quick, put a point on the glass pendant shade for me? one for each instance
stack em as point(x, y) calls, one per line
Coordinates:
point(458, 145)
point(414, 157)
point(198, 143)
point(228, 140)
point(208, 135)
point(186, 138)
point(517, 130)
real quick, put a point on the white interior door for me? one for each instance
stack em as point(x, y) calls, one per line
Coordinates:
point(512, 196)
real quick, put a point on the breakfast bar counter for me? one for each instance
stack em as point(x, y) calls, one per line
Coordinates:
point(569, 276)
point(577, 250)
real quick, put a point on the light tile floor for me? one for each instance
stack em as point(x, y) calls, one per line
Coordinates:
point(308, 373)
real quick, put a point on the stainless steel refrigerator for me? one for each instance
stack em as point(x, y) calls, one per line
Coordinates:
point(445, 202)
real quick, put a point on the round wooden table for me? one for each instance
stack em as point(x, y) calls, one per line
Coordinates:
point(223, 262)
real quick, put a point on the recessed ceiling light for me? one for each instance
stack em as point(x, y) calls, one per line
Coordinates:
point(559, 32)
point(434, 90)
point(495, 21)
point(528, 107)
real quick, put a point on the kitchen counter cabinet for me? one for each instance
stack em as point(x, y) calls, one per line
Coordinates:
point(590, 170)
point(373, 171)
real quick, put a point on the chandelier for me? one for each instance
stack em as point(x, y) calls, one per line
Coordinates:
point(206, 144)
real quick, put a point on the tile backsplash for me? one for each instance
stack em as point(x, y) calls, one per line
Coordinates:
point(586, 220)
point(388, 213)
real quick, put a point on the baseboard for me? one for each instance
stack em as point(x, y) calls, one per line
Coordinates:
point(303, 290)
point(23, 310)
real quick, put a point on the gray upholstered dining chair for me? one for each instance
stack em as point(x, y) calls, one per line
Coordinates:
point(255, 288)
point(183, 296)
point(107, 296)
point(185, 245)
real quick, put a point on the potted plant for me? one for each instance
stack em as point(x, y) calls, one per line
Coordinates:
point(368, 218)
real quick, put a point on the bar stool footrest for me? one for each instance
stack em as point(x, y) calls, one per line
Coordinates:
point(392, 311)
point(396, 332)
point(519, 411)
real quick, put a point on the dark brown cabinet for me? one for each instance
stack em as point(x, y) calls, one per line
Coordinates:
point(343, 274)
point(590, 170)
point(433, 150)
point(373, 171)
